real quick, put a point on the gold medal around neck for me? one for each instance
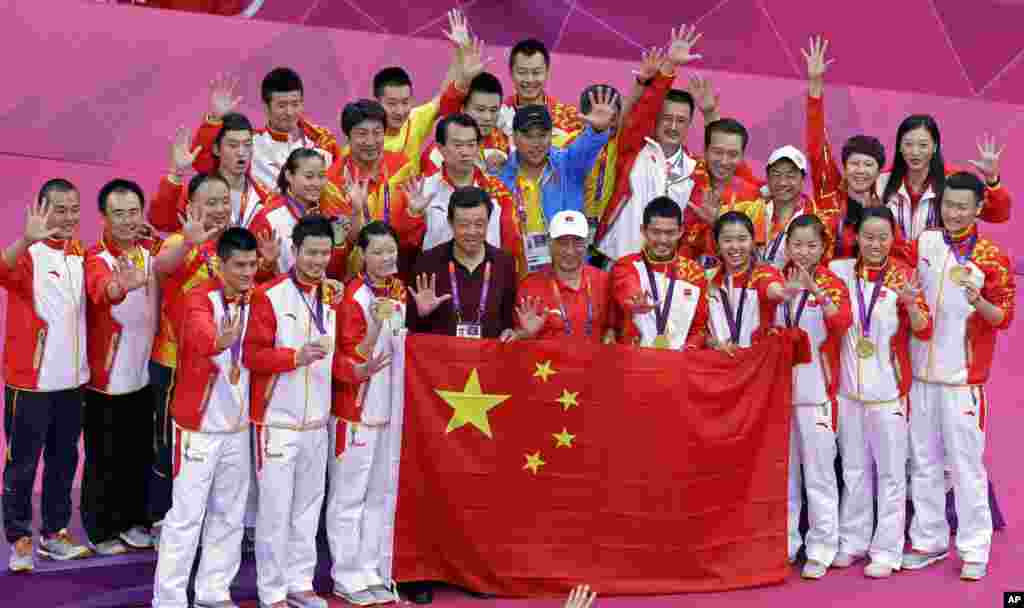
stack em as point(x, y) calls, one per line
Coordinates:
point(236, 374)
point(960, 275)
point(865, 348)
point(661, 341)
point(383, 309)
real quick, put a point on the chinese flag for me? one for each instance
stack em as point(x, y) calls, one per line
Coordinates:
point(531, 467)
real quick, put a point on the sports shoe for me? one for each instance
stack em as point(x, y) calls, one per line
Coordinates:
point(61, 547)
point(137, 538)
point(915, 560)
point(363, 597)
point(973, 571)
point(306, 599)
point(22, 559)
point(383, 595)
point(877, 570)
point(813, 570)
point(113, 546)
point(845, 560)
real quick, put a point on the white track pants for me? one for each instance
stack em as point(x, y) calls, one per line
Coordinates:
point(873, 434)
point(812, 456)
point(210, 487)
point(292, 468)
point(947, 431)
point(357, 504)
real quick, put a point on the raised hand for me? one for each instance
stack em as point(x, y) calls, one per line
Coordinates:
point(357, 191)
point(182, 152)
point(530, 312)
point(641, 303)
point(269, 246)
point(602, 109)
point(222, 95)
point(988, 164)
point(580, 597)
point(910, 291)
point(704, 95)
point(416, 198)
point(310, 353)
point(373, 365)
point(814, 55)
point(793, 286)
point(712, 204)
point(495, 162)
point(458, 31)
point(651, 61)
point(681, 44)
point(425, 295)
point(129, 276)
point(192, 229)
point(230, 331)
point(36, 222)
point(472, 61)
point(337, 288)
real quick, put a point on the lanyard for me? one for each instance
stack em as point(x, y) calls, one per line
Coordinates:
point(736, 322)
point(864, 311)
point(457, 302)
point(799, 310)
point(236, 347)
point(588, 327)
point(318, 314)
point(962, 250)
point(661, 312)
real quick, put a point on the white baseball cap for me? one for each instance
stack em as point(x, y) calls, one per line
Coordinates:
point(791, 153)
point(569, 223)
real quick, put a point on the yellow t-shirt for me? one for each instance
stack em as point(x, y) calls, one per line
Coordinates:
point(529, 190)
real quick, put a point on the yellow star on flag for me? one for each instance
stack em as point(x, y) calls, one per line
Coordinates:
point(567, 399)
point(471, 405)
point(544, 370)
point(563, 439)
point(534, 462)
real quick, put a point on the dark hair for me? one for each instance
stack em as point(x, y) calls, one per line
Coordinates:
point(375, 228)
point(234, 240)
point(866, 145)
point(485, 82)
point(292, 165)
point(528, 47)
point(232, 121)
point(393, 76)
point(881, 212)
point(937, 167)
point(662, 206)
point(586, 106)
point(311, 226)
point(729, 126)
point(468, 197)
point(280, 80)
point(963, 180)
point(459, 118)
point(680, 96)
point(120, 186)
point(57, 184)
point(361, 111)
point(201, 178)
point(807, 220)
point(732, 217)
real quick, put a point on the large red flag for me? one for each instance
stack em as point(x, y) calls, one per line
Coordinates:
point(531, 467)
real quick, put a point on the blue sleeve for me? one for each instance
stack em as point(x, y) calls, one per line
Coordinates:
point(581, 154)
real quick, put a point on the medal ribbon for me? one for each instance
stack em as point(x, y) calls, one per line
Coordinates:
point(295, 207)
point(318, 314)
point(736, 322)
point(661, 312)
point(962, 250)
point(799, 310)
point(588, 328)
point(865, 311)
point(236, 347)
point(457, 302)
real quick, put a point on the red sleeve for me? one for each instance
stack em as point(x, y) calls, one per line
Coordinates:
point(427, 165)
point(259, 353)
point(696, 239)
point(511, 239)
point(97, 278)
point(451, 101)
point(166, 205)
point(337, 266)
point(205, 136)
point(410, 229)
point(259, 225)
point(348, 337)
point(1000, 288)
point(839, 323)
point(625, 283)
point(924, 333)
point(198, 322)
point(18, 278)
point(997, 205)
point(697, 337)
point(642, 119)
point(764, 276)
point(825, 176)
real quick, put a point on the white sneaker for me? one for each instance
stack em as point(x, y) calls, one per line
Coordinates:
point(813, 570)
point(383, 595)
point(973, 571)
point(877, 570)
point(61, 547)
point(22, 559)
point(845, 560)
point(137, 538)
point(113, 546)
point(914, 560)
point(363, 597)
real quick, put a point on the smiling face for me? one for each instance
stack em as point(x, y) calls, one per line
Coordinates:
point(381, 257)
point(785, 181)
point(213, 201)
point(239, 270)
point(959, 209)
point(735, 246)
point(917, 147)
point(662, 236)
point(397, 102)
point(65, 213)
point(308, 180)
point(529, 76)
point(284, 110)
point(861, 173)
point(724, 154)
point(673, 124)
point(484, 108)
point(367, 141)
point(123, 216)
point(805, 246)
point(469, 228)
point(312, 256)
point(533, 145)
point(460, 149)
point(875, 240)
point(567, 253)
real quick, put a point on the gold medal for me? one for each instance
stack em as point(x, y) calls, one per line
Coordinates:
point(865, 348)
point(661, 341)
point(959, 275)
point(236, 374)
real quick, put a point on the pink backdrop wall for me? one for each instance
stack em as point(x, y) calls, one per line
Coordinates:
point(95, 91)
